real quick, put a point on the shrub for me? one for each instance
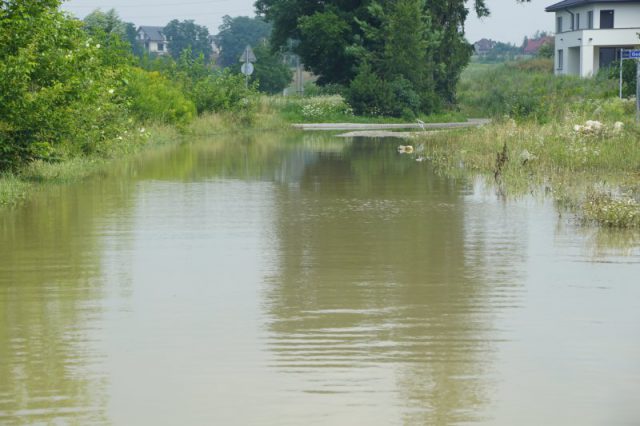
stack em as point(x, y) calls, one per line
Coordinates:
point(312, 89)
point(607, 210)
point(323, 107)
point(57, 94)
point(225, 92)
point(405, 101)
point(522, 91)
point(154, 98)
point(368, 94)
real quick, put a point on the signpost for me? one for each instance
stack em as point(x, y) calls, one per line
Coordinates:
point(632, 54)
point(247, 59)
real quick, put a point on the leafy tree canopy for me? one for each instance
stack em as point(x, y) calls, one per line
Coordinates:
point(236, 33)
point(111, 31)
point(270, 72)
point(188, 35)
point(413, 40)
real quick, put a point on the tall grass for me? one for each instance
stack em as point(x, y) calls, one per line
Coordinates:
point(526, 90)
point(595, 172)
point(15, 187)
point(12, 189)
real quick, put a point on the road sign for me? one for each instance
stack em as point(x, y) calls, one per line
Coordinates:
point(630, 54)
point(247, 68)
point(248, 55)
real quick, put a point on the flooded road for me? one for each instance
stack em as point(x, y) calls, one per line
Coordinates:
point(302, 279)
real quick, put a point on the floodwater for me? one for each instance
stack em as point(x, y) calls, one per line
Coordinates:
point(302, 279)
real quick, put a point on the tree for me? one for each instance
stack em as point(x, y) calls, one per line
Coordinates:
point(112, 32)
point(547, 50)
point(270, 72)
point(58, 92)
point(236, 33)
point(188, 35)
point(421, 42)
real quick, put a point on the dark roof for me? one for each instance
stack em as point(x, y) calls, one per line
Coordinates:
point(154, 33)
point(577, 3)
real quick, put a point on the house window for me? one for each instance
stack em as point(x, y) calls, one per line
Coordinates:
point(577, 21)
point(560, 59)
point(590, 19)
point(607, 56)
point(573, 22)
point(160, 47)
point(606, 19)
point(559, 24)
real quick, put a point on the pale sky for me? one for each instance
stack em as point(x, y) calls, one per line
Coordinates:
point(510, 21)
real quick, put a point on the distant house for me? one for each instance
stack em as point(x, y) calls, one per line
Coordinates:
point(590, 33)
point(483, 46)
point(531, 47)
point(153, 40)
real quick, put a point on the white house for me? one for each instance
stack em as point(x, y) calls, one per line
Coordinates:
point(153, 40)
point(590, 33)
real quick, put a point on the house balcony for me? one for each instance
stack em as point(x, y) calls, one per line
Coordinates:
point(585, 52)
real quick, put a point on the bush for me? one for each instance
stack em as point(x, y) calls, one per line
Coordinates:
point(628, 76)
point(526, 90)
point(312, 89)
point(368, 94)
point(371, 95)
point(57, 94)
point(154, 98)
point(225, 92)
point(405, 101)
point(270, 73)
point(323, 107)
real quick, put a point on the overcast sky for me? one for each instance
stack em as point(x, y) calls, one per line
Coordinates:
point(509, 21)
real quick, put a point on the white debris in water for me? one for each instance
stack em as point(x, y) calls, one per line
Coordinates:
point(405, 149)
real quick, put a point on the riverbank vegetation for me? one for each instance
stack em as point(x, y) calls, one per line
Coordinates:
point(74, 95)
point(565, 136)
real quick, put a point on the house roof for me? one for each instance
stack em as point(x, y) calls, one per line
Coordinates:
point(577, 3)
point(154, 33)
point(533, 46)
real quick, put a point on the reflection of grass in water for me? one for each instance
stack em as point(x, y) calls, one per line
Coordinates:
point(607, 241)
point(12, 189)
point(595, 174)
point(16, 187)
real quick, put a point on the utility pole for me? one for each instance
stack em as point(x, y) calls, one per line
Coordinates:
point(621, 62)
point(299, 77)
point(637, 91)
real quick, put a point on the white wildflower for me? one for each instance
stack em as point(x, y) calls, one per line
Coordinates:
point(111, 91)
point(618, 126)
point(594, 125)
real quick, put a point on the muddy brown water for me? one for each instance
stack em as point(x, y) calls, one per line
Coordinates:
point(302, 279)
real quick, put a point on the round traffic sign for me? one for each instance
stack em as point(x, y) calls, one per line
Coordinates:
point(247, 68)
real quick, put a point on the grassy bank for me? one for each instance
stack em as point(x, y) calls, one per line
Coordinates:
point(567, 137)
point(15, 187)
point(593, 172)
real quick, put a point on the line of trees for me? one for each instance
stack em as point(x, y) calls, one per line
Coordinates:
point(70, 88)
point(394, 57)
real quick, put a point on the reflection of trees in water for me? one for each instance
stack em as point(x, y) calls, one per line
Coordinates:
point(373, 272)
point(50, 293)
